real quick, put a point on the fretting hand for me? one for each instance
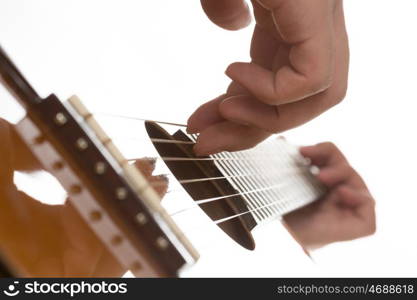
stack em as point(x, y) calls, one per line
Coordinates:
point(346, 212)
point(299, 69)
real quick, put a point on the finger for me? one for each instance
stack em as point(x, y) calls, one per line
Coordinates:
point(160, 184)
point(239, 107)
point(228, 14)
point(306, 27)
point(246, 110)
point(308, 74)
point(279, 118)
point(146, 166)
point(337, 174)
point(264, 48)
point(228, 136)
point(294, 114)
point(324, 154)
point(365, 210)
point(205, 116)
point(208, 113)
point(352, 197)
point(235, 89)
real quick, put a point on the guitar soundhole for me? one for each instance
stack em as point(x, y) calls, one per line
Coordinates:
point(237, 228)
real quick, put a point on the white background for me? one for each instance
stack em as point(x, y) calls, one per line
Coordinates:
point(161, 59)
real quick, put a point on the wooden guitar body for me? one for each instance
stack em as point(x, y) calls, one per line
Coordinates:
point(208, 222)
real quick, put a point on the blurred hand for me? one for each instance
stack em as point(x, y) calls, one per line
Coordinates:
point(346, 212)
point(49, 241)
point(299, 69)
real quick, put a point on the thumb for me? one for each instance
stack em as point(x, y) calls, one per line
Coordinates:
point(228, 14)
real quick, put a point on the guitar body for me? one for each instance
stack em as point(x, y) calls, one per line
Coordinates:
point(220, 217)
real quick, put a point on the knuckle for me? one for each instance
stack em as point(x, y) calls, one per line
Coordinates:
point(347, 169)
point(334, 152)
point(328, 146)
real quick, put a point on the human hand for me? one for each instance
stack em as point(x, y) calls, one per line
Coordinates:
point(299, 69)
point(49, 240)
point(346, 212)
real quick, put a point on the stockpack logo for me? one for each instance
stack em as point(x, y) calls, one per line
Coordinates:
point(12, 289)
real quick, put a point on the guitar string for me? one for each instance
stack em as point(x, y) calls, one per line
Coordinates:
point(155, 140)
point(197, 159)
point(281, 172)
point(181, 189)
point(290, 196)
point(222, 220)
point(158, 140)
point(179, 158)
point(197, 180)
point(203, 201)
point(219, 221)
point(165, 140)
point(117, 116)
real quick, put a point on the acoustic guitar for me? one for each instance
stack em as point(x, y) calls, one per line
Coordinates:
point(228, 203)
